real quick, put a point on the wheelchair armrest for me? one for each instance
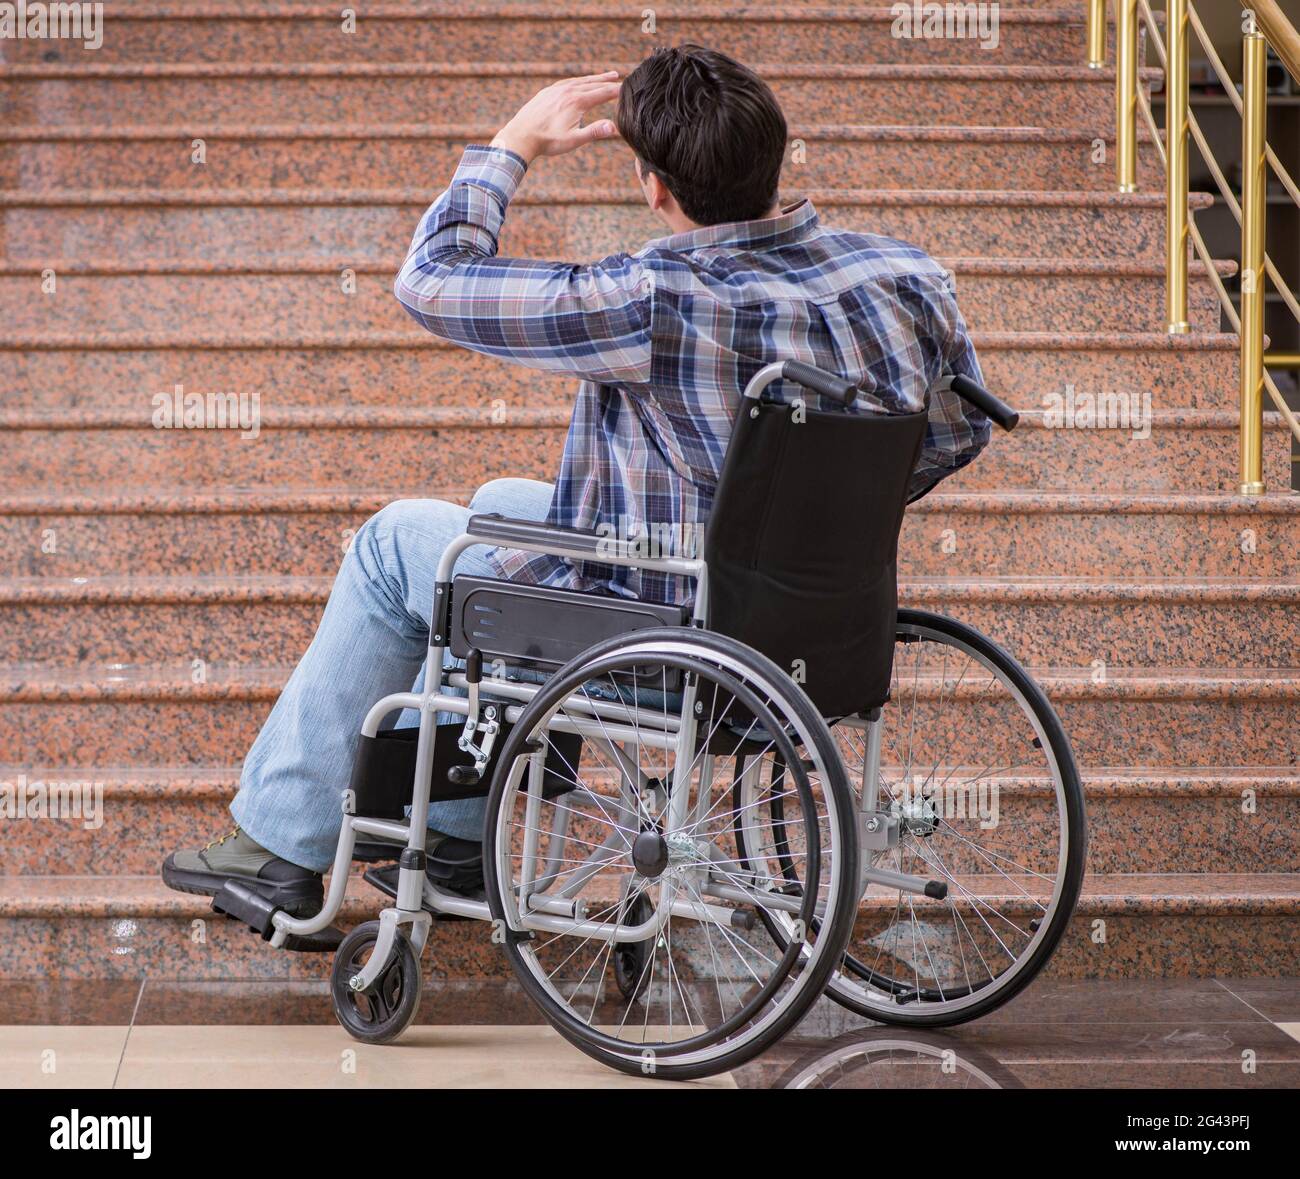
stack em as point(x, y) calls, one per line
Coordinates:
point(506, 530)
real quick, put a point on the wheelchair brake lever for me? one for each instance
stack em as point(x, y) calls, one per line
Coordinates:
point(489, 726)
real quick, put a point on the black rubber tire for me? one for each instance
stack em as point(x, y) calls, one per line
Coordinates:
point(628, 961)
point(392, 1000)
point(837, 930)
point(910, 1015)
point(975, 1059)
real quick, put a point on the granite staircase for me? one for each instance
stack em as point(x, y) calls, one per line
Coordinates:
point(159, 583)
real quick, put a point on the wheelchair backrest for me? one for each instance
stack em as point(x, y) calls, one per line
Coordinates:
point(802, 544)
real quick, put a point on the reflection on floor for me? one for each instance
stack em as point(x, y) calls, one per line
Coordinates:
point(1220, 1033)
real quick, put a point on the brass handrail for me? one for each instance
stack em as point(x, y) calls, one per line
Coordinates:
point(1279, 32)
point(1267, 25)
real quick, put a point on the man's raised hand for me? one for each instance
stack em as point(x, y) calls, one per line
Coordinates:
point(550, 123)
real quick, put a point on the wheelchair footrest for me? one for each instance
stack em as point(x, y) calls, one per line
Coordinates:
point(325, 942)
point(241, 903)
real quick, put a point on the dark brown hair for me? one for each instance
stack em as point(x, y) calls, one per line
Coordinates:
point(709, 128)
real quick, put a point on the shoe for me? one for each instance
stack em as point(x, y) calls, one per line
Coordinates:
point(237, 856)
point(454, 865)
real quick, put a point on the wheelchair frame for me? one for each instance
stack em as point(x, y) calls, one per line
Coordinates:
point(532, 904)
point(555, 912)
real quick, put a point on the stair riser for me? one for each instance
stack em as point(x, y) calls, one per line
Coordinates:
point(423, 375)
point(356, 235)
point(303, 304)
point(946, 543)
point(1176, 379)
point(814, 162)
point(181, 545)
point(1167, 459)
point(935, 543)
point(58, 944)
point(187, 103)
point(1112, 460)
point(621, 38)
point(1124, 835)
point(1062, 633)
point(1247, 731)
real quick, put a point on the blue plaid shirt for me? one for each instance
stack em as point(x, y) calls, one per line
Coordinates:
point(666, 339)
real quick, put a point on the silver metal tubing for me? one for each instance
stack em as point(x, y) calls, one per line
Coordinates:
point(871, 767)
point(532, 820)
point(380, 709)
point(384, 828)
point(454, 904)
point(539, 902)
point(680, 566)
point(759, 898)
point(765, 376)
point(593, 729)
point(614, 845)
point(513, 690)
point(898, 880)
point(285, 925)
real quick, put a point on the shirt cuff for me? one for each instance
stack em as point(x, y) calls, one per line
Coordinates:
point(495, 168)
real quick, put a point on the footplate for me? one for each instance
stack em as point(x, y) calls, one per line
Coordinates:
point(241, 903)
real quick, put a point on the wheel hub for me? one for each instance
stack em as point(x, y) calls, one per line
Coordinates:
point(916, 814)
point(650, 854)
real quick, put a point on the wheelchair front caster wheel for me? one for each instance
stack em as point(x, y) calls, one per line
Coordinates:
point(632, 959)
point(383, 1011)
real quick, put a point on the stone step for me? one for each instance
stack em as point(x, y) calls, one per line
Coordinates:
point(1129, 448)
point(388, 155)
point(360, 226)
point(1187, 925)
point(247, 620)
point(1137, 818)
point(391, 368)
point(1076, 534)
point(1115, 716)
point(76, 94)
point(996, 295)
point(531, 31)
point(304, 531)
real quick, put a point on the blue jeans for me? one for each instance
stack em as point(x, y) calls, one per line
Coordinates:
point(371, 642)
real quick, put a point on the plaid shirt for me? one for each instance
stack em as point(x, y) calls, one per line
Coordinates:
point(665, 340)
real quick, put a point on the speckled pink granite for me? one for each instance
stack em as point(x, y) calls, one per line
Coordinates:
point(289, 156)
point(1159, 451)
point(374, 369)
point(1075, 548)
point(530, 32)
point(361, 225)
point(314, 94)
point(1099, 294)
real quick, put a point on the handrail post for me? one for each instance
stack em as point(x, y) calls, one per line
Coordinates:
point(1096, 34)
point(1126, 82)
point(1254, 177)
point(1176, 135)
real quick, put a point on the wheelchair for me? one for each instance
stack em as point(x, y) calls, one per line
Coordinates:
point(700, 820)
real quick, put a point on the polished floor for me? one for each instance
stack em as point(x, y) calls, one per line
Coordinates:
point(1189, 1034)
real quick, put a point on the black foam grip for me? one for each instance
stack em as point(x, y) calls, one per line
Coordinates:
point(986, 402)
point(827, 384)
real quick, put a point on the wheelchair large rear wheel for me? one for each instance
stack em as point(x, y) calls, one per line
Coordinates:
point(641, 851)
point(979, 775)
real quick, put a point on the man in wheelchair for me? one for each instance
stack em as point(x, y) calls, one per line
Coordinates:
point(663, 341)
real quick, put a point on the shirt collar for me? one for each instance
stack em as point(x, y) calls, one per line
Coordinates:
point(792, 224)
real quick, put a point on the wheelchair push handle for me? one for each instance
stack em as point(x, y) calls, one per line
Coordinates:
point(993, 406)
point(845, 391)
point(820, 381)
